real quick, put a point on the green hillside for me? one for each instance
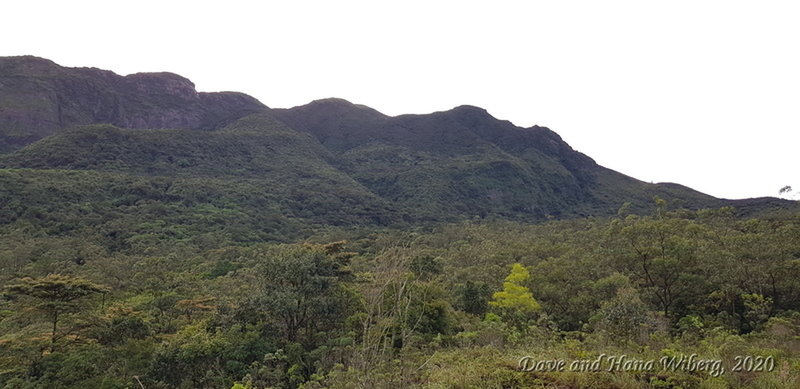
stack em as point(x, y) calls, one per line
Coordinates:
point(464, 163)
point(254, 180)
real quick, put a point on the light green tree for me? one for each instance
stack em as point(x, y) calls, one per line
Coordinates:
point(515, 303)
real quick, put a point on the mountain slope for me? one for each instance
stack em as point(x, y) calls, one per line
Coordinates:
point(329, 162)
point(467, 163)
point(255, 177)
point(39, 98)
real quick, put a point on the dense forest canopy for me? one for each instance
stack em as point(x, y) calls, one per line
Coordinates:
point(467, 298)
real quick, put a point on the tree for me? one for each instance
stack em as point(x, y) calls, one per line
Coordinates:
point(195, 305)
point(58, 294)
point(623, 315)
point(386, 299)
point(787, 192)
point(660, 254)
point(515, 302)
point(299, 285)
point(474, 297)
point(300, 292)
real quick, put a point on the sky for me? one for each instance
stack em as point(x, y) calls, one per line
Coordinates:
point(702, 93)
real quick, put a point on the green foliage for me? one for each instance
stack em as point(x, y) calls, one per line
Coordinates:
point(55, 290)
point(473, 297)
point(624, 315)
point(515, 296)
point(515, 303)
point(386, 314)
point(56, 295)
point(757, 309)
point(425, 267)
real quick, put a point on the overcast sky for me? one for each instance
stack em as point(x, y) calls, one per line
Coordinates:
point(702, 93)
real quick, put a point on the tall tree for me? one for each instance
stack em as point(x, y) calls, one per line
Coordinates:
point(299, 285)
point(660, 254)
point(57, 295)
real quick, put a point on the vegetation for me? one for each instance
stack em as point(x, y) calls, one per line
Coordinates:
point(455, 306)
point(515, 300)
point(57, 295)
point(331, 246)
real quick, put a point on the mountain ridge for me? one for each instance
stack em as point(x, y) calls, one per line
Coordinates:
point(40, 98)
point(316, 161)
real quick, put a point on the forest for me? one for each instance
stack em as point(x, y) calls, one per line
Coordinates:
point(446, 306)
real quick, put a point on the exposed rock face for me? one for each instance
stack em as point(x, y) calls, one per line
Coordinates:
point(39, 98)
point(166, 84)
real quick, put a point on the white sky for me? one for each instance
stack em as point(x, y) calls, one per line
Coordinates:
point(703, 93)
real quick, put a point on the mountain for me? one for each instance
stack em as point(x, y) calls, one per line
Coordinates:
point(39, 98)
point(466, 163)
point(147, 155)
